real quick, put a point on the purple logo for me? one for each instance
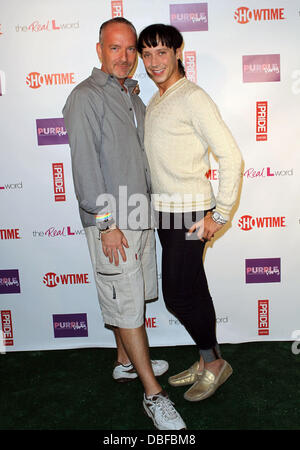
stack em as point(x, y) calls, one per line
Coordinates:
point(70, 325)
point(9, 282)
point(261, 68)
point(265, 270)
point(189, 16)
point(51, 131)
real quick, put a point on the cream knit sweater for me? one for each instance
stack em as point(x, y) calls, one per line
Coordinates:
point(180, 126)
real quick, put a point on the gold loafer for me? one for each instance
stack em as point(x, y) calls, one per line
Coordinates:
point(207, 384)
point(186, 377)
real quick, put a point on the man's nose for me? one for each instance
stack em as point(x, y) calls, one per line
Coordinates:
point(154, 61)
point(124, 55)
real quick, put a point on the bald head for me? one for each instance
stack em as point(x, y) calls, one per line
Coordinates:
point(116, 20)
point(117, 48)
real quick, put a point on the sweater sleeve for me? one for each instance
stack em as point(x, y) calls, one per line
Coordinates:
point(211, 128)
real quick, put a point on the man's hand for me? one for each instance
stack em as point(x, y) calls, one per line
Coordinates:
point(207, 227)
point(113, 243)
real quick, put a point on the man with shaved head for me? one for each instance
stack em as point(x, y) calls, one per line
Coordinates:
point(104, 118)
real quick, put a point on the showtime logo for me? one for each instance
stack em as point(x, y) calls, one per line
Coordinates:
point(247, 223)
point(70, 325)
point(51, 279)
point(11, 233)
point(51, 131)
point(35, 80)
point(7, 328)
point(189, 16)
point(263, 317)
point(117, 8)
point(190, 66)
point(59, 182)
point(150, 322)
point(261, 68)
point(261, 121)
point(245, 15)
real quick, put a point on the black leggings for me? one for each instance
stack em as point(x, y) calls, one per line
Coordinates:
point(184, 282)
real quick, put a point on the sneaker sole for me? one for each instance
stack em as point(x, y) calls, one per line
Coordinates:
point(124, 380)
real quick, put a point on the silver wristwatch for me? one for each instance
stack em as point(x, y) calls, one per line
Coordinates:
point(216, 217)
point(107, 229)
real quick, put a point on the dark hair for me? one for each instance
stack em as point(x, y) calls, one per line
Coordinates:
point(116, 20)
point(166, 34)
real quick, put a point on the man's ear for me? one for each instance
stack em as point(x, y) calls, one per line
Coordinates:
point(179, 53)
point(99, 50)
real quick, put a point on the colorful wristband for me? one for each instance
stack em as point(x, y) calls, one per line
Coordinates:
point(103, 217)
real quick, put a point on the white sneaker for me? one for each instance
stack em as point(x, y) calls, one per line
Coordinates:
point(123, 373)
point(161, 410)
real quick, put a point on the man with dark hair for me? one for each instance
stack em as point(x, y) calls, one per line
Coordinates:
point(167, 36)
point(104, 119)
point(181, 123)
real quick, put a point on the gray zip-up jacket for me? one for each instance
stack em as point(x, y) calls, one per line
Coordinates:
point(109, 163)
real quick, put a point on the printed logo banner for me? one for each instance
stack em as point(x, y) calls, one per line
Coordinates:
point(243, 55)
point(59, 182)
point(190, 65)
point(263, 270)
point(116, 8)
point(189, 16)
point(261, 68)
point(51, 132)
point(51, 279)
point(245, 15)
point(247, 222)
point(7, 336)
point(263, 317)
point(70, 325)
point(9, 282)
point(261, 121)
point(35, 80)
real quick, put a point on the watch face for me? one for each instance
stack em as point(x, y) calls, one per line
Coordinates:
point(218, 218)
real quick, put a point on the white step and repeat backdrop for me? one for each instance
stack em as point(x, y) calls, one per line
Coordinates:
point(245, 54)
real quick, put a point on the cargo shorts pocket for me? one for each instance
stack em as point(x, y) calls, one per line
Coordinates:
point(123, 289)
point(109, 279)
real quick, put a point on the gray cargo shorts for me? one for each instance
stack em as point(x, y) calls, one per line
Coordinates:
point(123, 289)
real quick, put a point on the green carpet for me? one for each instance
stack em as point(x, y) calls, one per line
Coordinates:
point(74, 390)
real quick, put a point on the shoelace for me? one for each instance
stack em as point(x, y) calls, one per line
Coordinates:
point(165, 405)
